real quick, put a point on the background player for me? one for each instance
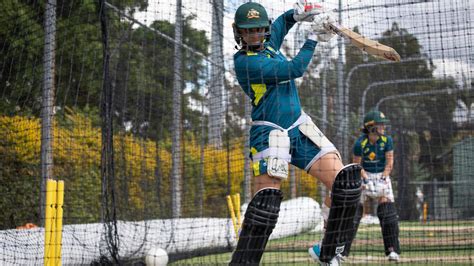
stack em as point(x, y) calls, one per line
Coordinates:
point(282, 133)
point(374, 150)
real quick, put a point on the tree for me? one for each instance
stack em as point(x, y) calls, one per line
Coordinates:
point(21, 39)
point(144, 75)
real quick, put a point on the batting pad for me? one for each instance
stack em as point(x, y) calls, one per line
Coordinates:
point(260, 220)
point(345, 197)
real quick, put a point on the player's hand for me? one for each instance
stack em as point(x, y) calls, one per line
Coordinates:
point(365, 183)
point(364, 175)
point(305, 10)
point(370, 189)
point(320, 27)
point(383, 187)
point(371, 186)
point(385, 179)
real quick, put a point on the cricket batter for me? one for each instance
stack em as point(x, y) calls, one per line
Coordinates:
point(282, 133)
point(374, 150)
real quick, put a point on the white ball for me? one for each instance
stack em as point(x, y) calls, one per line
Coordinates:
point(156, 257)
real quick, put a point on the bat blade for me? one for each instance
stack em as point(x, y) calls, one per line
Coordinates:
point(365, 44)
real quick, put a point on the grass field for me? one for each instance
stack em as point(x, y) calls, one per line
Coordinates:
point(434, 243)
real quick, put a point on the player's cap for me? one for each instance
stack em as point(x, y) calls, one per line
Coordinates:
point(251, 15)
point(375, 117)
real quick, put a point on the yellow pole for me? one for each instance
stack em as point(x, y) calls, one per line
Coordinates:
point(236, 200)
point(59, 223)
point(425, 212)
point(49, 222)
point(232, 215)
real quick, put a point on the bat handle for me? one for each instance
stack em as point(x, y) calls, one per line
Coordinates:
point(334, 28)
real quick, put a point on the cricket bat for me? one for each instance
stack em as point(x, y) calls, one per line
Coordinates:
point(365, 44)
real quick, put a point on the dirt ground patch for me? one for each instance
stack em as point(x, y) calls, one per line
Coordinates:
point(407, 260)
point(455, 228)
point(405, 242)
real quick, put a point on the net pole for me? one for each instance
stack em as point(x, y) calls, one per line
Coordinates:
point(247, 168)
point(109, 207)
point(48, 98)
point(341, 142)
point(176, 141)
point(216, 98)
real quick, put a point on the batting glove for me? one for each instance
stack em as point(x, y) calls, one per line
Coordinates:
point(320, 27)
point(305, 11)
point(371, 190)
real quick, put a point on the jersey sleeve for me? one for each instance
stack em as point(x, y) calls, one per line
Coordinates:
point(357, 149)
point(389, 144)
point(280, 28)
point(261, 69)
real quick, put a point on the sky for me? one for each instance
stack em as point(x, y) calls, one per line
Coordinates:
point(444, 28)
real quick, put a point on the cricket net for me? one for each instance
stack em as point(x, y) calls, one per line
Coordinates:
point(136, 106)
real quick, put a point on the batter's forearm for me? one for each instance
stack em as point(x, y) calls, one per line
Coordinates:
point(389, 165)
point(363, 173)
point(281, 27)
point(387, 170)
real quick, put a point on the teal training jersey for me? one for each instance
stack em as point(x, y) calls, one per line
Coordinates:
point(267, 77)
point(373, 155)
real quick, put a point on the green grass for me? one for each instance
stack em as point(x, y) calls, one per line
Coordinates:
point(434, 243)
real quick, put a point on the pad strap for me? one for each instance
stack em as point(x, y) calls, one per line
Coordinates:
point(260, 220)
point(345, 198)
point(388, 217)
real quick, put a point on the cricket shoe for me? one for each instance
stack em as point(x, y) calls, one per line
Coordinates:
point(393, 256)
point(315, 251)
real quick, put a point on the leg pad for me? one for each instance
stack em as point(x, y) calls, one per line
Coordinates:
point(345, 197)
point(260, 220)
point(388, 217)
point(353, 232)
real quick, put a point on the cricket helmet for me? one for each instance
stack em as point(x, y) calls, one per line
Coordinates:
point(372, 118)
point(250, 16)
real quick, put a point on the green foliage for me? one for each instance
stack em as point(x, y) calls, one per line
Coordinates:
point(141, 64)
point(142, 69)
point(19, 174)
point(142, 173)
point(141, 75)
point(21, 37)
point(77, 147)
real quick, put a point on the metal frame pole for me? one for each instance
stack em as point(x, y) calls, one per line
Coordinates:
point(47, 106)
point(382, 83)
point(176, 140)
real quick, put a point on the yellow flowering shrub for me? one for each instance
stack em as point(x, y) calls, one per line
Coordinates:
point(142, 171)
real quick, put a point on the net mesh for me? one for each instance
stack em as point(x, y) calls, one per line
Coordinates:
point(150, 128)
